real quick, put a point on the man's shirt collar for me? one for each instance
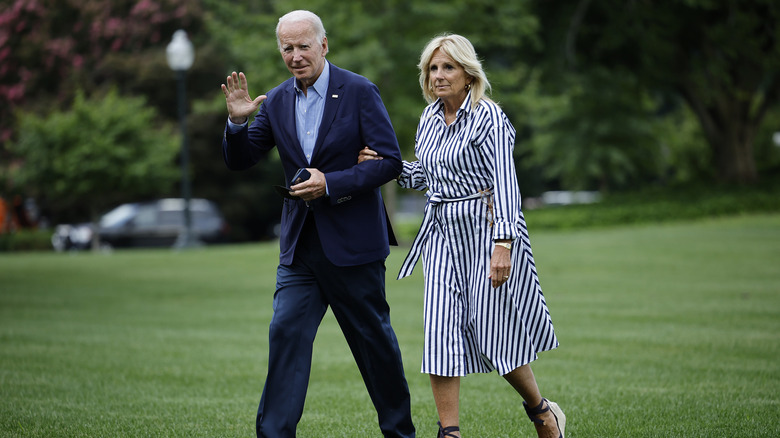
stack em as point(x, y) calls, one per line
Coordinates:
point(321, 85)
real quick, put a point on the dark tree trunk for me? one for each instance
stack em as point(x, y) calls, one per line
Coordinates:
point(729, 129)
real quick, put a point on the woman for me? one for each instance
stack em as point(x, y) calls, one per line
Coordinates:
point(484, 308)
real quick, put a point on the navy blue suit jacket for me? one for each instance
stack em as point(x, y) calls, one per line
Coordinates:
point(352, 222)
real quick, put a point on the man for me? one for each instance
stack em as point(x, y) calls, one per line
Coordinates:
point(335, 233)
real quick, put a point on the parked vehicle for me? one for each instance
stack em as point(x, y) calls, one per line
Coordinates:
point(145, 224)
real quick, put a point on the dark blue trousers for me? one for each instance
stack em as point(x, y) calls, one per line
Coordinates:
point(356, 294)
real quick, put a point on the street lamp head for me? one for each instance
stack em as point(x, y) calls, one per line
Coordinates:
point(180, 52)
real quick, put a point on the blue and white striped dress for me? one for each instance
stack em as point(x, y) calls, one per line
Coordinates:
point(473, 199)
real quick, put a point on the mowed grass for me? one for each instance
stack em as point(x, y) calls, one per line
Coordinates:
point(666, 331)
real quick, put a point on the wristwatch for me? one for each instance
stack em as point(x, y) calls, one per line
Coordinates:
point(507, 245)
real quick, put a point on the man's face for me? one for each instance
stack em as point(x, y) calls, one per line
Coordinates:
point(302, 53)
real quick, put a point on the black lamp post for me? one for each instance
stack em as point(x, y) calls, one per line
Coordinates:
point(181, 55)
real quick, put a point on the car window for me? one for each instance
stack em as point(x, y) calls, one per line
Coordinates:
point(171, 217)
point(118, 216)
point(204, 218)
point(146, 216)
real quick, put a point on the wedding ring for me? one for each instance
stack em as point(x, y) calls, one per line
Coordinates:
point(505, 277)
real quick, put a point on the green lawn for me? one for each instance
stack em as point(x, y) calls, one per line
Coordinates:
point(666, 330)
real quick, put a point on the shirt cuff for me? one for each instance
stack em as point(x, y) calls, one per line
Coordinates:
point(234, 127)
point(504, 230)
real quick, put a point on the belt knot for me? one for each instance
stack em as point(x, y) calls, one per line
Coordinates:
point(433, 197)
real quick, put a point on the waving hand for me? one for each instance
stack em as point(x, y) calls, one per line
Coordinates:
point(240, 105)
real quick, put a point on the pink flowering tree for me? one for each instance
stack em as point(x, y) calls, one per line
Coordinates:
point(51, 48)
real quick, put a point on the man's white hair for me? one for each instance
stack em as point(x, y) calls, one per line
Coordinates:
point(301, 15)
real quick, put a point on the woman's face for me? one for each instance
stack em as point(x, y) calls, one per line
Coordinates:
point(448, 79)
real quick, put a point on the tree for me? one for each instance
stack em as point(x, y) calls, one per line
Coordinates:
point(49, 48)
point(720, 57)
point(99, 153)
point(598, 134)
point(382, 41)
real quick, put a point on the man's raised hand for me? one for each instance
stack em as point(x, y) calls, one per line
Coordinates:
point(240, 106)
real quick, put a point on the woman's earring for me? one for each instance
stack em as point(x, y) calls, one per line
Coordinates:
point(468, 87)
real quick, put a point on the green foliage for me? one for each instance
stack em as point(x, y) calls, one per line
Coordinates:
point(655, 205)
point(382, 41)
point(720, 58)
point(607, 94)
point(49, 48)
point(686, 156)
point(103, 151)
point(596, 135)
point(26, 240)
point(766, 149)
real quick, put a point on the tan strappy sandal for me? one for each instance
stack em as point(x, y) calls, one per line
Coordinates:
point(533, 414)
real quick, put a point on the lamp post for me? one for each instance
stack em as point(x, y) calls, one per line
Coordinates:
point(181, 54)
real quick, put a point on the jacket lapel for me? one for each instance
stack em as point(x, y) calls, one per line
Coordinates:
point(332, 101)
point(288, 122)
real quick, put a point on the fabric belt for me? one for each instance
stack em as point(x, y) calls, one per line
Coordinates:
point(434, 200)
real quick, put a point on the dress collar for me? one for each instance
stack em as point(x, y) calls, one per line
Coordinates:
point(465, 107)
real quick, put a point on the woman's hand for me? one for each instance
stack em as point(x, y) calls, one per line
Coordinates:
point(500, 266)
point(367, 154)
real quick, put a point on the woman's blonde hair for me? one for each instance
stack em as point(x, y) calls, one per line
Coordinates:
point(461, 51)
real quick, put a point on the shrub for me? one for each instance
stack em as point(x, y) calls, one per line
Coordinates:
point(26, 240)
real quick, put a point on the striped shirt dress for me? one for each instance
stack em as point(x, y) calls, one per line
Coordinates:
point(473, 198)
